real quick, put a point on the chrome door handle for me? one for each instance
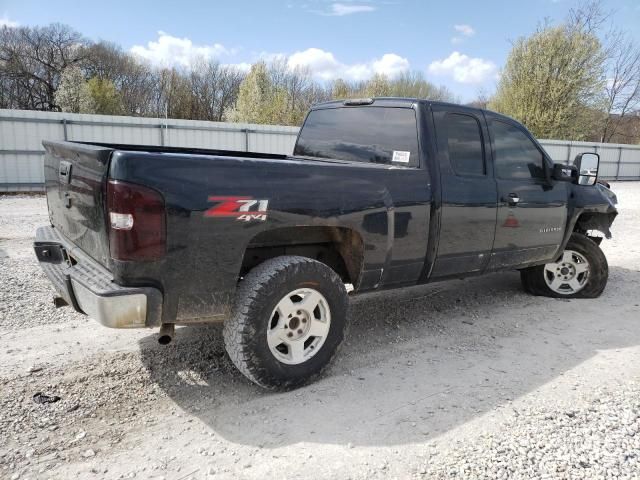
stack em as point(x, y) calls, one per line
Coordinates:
point(513, 199)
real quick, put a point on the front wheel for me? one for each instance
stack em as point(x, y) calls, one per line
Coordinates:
point(581, 272)
point(290, 316)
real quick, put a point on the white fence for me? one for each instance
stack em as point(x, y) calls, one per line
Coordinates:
point(22, 133)
point(617, 161)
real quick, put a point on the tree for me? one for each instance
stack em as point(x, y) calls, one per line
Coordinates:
point(414, 85)
point(378, 86)
point(622, 90)
point(553, 81)
point(214, 88)
point(32, 60)
point(73, 94)
point(104, 97)
point(482, 99)
point(299, 88)
point(252, 96)
point(340, 89)
point(172, 96)
point(259, 100)
point(133, 79)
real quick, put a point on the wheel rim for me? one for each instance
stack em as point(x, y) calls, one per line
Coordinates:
point(569, 275)
point(298, 326)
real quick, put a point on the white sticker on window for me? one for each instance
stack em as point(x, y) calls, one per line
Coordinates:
point(400, 156)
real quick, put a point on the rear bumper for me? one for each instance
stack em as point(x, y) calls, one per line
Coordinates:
point(89, 287)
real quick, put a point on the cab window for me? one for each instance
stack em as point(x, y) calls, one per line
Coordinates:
point(515, 155)
point(466, 154)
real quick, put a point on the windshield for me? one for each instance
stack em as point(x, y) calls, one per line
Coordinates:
point(361, 134)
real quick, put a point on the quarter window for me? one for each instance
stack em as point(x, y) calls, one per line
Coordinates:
point(466, 154)
point(516, 156)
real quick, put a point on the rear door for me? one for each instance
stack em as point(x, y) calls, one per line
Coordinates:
point(532, 211)
point(469, 196)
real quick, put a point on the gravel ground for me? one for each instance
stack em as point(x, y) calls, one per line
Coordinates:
point(463, 379)
point(27, 302)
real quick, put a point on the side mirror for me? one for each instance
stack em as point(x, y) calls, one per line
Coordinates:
point(564, 173)
point(587, 165)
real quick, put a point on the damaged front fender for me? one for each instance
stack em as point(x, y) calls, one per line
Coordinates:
point(590, 208)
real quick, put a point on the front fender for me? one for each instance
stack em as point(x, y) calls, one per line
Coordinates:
point(590, 208)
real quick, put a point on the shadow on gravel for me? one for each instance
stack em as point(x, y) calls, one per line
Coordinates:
point(418, 362)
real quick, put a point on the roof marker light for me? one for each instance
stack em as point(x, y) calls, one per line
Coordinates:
point(358, 101)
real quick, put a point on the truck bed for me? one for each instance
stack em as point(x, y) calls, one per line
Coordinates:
point(388, 208)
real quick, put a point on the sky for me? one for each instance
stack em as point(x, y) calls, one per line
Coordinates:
point(461, 44)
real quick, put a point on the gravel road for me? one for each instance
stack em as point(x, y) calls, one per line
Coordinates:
point(463, 379)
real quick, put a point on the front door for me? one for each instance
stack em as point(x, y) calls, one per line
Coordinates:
point(532, 212)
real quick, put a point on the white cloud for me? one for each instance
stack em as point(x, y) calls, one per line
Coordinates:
point(5, 22)
point(465, 30)
point(170, 50)
point(325, 66)
point(242, 66)
point(342, 9)
point(390, 65)
point(463, 68)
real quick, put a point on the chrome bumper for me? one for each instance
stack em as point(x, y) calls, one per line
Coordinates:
point(89, 287)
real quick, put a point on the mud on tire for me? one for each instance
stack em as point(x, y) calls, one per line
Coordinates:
point(258, 294)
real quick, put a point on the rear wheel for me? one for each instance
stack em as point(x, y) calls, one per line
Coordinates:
point(581, 272)
point(290, 316)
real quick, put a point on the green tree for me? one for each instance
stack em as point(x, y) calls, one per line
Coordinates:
point(553, 81)
point(105, 98)
point(378, 86)
point(340, 89)
point(414, 85)
point(73, 93)
point(259, 100)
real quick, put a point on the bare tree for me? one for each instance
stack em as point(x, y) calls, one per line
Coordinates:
point(587, 17)
point(298, 86)
point(131, 77)
point(173, 94)
point(622, 69)
point(622, 90)
point(32, 60)
point(482, 99)
point(214, 88)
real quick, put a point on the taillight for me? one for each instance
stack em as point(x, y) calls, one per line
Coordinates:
point(137, 229)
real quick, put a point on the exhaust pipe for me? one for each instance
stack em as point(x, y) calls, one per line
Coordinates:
point(166, 333)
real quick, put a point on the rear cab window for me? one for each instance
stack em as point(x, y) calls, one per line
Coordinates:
point(387, 135)
point(464, 139)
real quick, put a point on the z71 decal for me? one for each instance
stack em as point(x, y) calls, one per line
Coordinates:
point(245, 209)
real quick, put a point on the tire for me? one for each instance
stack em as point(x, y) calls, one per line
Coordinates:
point(581, 282)
point(272, 303)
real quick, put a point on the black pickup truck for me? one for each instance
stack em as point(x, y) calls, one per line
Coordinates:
point(378, 194)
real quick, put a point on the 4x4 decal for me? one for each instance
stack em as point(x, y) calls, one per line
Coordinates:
point(240, 208)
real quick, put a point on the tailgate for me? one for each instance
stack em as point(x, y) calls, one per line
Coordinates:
point(75, 181)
